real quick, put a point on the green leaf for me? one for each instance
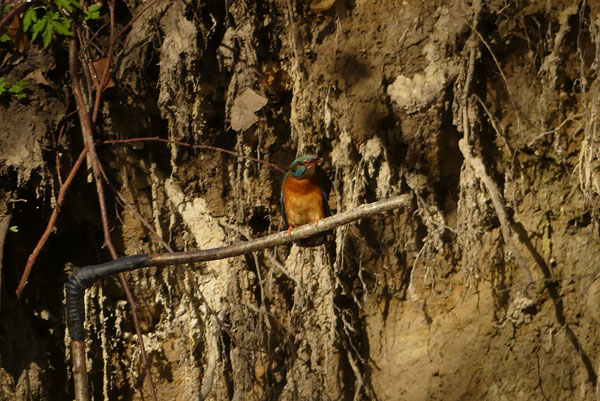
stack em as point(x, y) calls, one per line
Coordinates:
point(76, 4)
point(53, 15)
point(16, 89)
point(47, 35)
point(18, 86)
point(39, 26)
point(62, 27)
point(92, 12)
point(29, 17)
point(68, 4)
point(14, 229)
point(3, 84)
point(4, 37)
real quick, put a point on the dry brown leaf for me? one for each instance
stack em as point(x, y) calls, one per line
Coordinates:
point(17, 35)
point(38, 77)
point(97, 70)
point(243, 109)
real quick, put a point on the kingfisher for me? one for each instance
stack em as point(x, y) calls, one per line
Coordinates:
point(303, 199)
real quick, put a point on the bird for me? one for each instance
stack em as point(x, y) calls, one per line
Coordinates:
point(303, 199)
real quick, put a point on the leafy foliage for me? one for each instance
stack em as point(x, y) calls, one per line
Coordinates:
point(68, 4)
point(55, 19)
point(52, 19)
point(29, 17)
point(92, 12)
point(17, 89)
point(46, 25)
point(4, 37)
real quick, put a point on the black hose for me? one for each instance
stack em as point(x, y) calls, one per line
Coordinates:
point(83, 279)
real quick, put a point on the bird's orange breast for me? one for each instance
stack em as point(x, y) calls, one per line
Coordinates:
point(303, 200)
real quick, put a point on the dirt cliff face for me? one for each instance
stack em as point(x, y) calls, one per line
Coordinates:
point(485, 288)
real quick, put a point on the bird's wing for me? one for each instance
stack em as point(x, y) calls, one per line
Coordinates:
point(283, 216)
point(326, 203)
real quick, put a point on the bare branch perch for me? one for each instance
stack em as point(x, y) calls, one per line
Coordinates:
point(83, 278)
point(282, 237)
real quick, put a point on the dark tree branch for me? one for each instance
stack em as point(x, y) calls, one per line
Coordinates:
point(105, 74)
point(130, 23)
point(87, 129)
point(59, 201)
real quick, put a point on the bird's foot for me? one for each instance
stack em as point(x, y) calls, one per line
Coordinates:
point(290, 228)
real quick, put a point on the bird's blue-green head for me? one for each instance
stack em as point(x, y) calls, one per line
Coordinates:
point(304, 167)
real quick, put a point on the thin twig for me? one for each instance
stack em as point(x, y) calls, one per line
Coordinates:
point(130, 23)
point(86, 56)
point(137, 214)
point(207, 147)
point(504, 80)
point(91, 39)
point(495, 125)
point(294, 34)
point(57, 155)
point(59, 200)
point(105, 74)
point(553, 130)
point(489, 49)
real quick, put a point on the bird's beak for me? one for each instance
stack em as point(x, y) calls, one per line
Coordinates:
point(314, 162)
